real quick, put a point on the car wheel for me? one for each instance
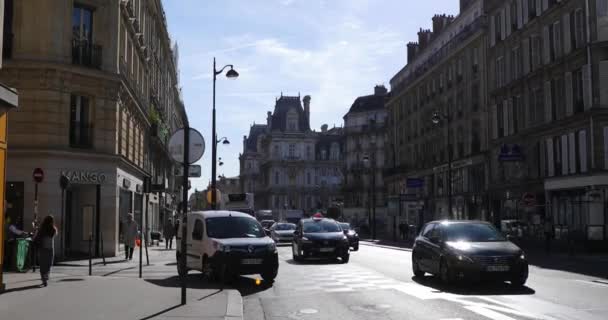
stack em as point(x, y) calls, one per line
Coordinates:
point(182, 270)
point(345, 258)
point(445, 273)
point(270, 275)
point(418, 273)
point(356, 247)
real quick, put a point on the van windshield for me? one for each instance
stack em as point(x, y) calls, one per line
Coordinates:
point(233, 227)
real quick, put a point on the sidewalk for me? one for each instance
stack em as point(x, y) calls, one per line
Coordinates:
point(116, 292)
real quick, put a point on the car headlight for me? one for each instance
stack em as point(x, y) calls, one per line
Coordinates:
point(272, 247)
point(306, 240)
point(463, 258)
point(344, 238)
point(223, 248)
point(522, 256)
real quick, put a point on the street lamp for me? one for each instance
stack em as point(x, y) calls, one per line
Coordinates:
point(437, 118)
point(366, 160)
point(221, 163)
point(231, 74)
point(223, 140)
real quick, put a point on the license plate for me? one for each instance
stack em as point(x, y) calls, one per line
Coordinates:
point(498, 268)
point(251, 261)
point(326, 249)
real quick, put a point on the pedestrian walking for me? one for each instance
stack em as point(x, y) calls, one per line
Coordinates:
point(131, 230)
point(44, 240)
point(406, 231)
point(548, 234)
point(402, 230)
point(168, 233)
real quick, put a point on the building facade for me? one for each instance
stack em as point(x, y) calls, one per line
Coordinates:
point(100, 98)
point(548, 92)
point(443, 80)
point(365, 135)
point(286, 165)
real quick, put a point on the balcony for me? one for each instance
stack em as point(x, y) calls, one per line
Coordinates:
point(86, 54)
point(81, 136)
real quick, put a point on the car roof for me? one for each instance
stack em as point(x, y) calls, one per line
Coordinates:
point(449, 222)
point(222, 213)
point(317, 219)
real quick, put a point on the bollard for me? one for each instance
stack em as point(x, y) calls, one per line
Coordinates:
point(90, 255)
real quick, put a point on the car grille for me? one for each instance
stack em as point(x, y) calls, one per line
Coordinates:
point(245, 249)
point(493, 261)
point(325, 243)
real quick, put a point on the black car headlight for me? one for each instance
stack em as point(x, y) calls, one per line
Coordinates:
point(272, 247)
point(464, 258)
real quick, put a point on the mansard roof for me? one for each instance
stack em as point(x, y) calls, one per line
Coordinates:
point(254, 132)
point(279, 116)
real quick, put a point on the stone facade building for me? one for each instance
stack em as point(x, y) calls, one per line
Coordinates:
point(548, 92)
point(444, 75)
point(365, 133)
point(286, 165)
point(99, 98)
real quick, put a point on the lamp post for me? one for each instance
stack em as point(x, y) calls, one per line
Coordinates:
point(372, 226)
point(437, 118)
point(230, 74)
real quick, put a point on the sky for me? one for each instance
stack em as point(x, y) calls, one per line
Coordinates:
point(332, 50)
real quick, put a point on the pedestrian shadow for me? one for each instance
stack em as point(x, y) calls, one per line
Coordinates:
point(473, 289)
point(12, 290)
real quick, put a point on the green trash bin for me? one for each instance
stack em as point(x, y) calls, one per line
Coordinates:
point(23, 246)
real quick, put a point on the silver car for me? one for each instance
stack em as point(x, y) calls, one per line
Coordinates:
point(282, 232)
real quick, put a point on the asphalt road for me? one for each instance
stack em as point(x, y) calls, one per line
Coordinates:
point(378, 283)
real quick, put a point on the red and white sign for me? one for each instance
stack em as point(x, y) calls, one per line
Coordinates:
point(38, 175)
point(529, 199)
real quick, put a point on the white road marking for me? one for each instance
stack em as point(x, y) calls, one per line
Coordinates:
point(597, 284)
point(488, 313)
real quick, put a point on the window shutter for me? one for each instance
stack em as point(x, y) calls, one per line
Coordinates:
point(565, 154)
point(557, 38)
point(508, 20)
point(548, 104)
point(582, 142)
point(567, 44)
point(568, 89)
point(492, 31)
point(526, 55)
point(546, 45)
point(550, 161)
point(503, 27)
point(572, 152)
point(525, 12)
point(520, 12)
point(603, 83)
point(539, 10)
point(587, 86)
point(494, 110)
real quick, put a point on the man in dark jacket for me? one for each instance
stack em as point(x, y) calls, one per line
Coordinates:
point(168, 233)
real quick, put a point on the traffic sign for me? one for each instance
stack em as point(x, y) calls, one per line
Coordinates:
point(529, 199)
point(38, 175)
point(194, 171)
point(196, 148)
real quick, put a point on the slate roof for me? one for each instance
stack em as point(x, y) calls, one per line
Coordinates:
point(254, 132)
point(368, 103)
point(279, 116)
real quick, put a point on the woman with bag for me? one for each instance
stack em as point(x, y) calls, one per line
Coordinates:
point(44, 242)
point(131, 231)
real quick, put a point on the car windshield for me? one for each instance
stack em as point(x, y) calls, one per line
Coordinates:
point(285, 226)
point(321, 226)
point(472, 232)
point(345, 226)
point(233, 227)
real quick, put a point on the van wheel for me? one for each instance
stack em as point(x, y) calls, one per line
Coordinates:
point(182, 270)
point(345, 258)
point(269, 275)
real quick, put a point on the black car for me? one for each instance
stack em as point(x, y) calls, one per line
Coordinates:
point(471, 250)
point(282, 232)
point(351, 234)
point(320, 238)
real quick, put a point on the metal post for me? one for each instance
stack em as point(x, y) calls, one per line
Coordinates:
point(90, 254)
point(374, 197)
point(146, 234)
point(63, 222)
point(447, 117)
point(184, 225)
point(213, 147)
point(103, 255)
point(141, 241)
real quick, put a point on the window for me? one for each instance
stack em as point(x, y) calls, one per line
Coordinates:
point(498, 27)
point(276, 178)
point(475, 60)
point(308, 153)
point(557, 40)
point(475, 97)
point(531, 9)
point(536, 51)
point(577, 91)
point(577, 32)
point(500, 72)
point(83, 51)
point(308, 178)
point(582, 150)
point(427, 230)
point(277, 153)
point(500, 120)
point(292, 151)
point(516, 63)
point(514, 15)
point(197, 233)
point(80, 122)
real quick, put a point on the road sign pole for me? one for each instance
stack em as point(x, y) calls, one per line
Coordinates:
point(184, 237)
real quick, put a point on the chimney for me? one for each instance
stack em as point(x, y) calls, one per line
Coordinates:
point(424, 37)
point(380, 90)
point(324, 128)
point(268, 119)
point(464, 4)
point(244, 143)
point(307, 108)
point(440, 21)
point(412, 51)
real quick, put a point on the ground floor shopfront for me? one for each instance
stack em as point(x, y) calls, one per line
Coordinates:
point(102, 191)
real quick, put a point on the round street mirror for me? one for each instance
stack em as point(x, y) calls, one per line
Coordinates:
point(196, 148)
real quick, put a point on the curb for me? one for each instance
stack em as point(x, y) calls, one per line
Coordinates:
point(234, 305)
point(369, 244)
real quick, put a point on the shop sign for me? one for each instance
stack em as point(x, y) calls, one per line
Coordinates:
point(510, 152)
point(84, 177)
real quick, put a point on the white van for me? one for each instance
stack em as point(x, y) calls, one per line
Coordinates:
point(227, 243)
